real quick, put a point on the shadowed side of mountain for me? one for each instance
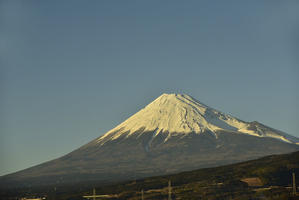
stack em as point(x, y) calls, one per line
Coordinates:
point(272, 173)
point(143, 155)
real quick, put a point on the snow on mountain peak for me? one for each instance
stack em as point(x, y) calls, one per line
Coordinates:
point(182, 114)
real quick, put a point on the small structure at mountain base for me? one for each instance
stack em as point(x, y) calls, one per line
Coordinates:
point(253, 181)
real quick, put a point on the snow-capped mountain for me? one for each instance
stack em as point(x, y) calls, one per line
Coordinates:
point(180, 114)
point(173, 133)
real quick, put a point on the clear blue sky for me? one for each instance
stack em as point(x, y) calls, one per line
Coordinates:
point(72, 70)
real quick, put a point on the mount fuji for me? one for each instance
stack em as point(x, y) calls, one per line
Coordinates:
point(173, 133)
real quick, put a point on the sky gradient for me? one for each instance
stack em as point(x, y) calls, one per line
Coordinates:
point(72, 70)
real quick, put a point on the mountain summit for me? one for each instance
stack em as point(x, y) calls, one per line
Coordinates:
point(173, 133)
point(180, 114)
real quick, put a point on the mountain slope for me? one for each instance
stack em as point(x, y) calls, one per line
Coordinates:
point(225, 182)
point(173, 133)
point(182, 114)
